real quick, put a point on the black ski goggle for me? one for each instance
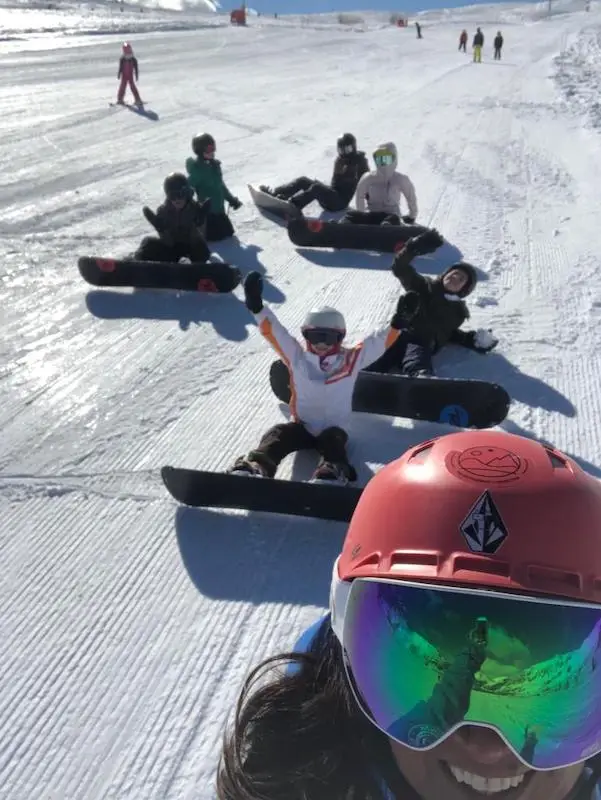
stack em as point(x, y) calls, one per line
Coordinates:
point(323, 336)
point(346, 149)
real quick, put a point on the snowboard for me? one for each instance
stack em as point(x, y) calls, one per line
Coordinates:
point(210, 277)
point(200, 488)
point(308, 232)
point(462, 402)
point(267, 202)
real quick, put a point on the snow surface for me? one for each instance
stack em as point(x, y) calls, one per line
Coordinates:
point(128, 623)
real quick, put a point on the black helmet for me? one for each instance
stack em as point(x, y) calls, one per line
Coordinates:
point(346, 144)
point(176, 187)
point(201, 143)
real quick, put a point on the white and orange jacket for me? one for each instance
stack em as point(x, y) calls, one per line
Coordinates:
point(322, 388)
point(382, 188)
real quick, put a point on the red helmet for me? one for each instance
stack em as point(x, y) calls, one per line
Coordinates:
point(480, 508)
point(127, 49)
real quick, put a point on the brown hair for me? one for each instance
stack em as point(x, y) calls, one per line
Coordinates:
point(301, 735)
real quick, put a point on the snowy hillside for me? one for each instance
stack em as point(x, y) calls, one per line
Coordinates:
point(129, 623)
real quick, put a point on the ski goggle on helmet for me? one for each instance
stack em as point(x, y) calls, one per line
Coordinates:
point(384, 158)
point(468, 592)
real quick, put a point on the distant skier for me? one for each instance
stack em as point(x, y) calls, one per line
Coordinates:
point(477, 45)
point(498, 44)
point(418, 28)
point(349, 166)
point(380, 192)
point(206, 178)
point(463, 41)
point(431, 311)
point(178, 222)
point(128, 71)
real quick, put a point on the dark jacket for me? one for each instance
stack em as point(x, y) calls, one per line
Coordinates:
point(428, 314)
point(182, 225)
point(478, 40)
point(498, 42)
point(347, 171)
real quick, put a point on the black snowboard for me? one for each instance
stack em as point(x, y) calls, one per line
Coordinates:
point(462, 402)
point(223, 490)
point(347, 236)
point(209, 277)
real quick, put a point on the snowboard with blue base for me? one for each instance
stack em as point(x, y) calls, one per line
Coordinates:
point(462, 402)
point(200, 488)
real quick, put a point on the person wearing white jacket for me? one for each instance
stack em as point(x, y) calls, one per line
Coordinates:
point(378, 195)
point(322, 380)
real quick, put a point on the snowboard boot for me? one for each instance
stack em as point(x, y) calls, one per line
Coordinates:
point(328, 472)
point(269, 190)
point(243, 466)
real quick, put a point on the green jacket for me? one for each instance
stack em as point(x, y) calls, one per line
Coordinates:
point(206, 178)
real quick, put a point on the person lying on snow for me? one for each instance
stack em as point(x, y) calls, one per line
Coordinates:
point(417, 684)
point(323, 374)
point(178, 222)
point(349, 166)
point(206, 178)
point(380, 192)
point(432, 311)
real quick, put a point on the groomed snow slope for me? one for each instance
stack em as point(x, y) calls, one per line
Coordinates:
point(128, 624)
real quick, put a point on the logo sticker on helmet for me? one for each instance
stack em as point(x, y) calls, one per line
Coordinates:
point(486, 464)
point(483, 529)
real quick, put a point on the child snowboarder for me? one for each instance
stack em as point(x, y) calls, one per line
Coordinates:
point(206, 178)
point(380, 191)
point(432, 312)
point(322, 380)
point(463, 40)
point(349, 166)
point(178, 222)
point(128, 70)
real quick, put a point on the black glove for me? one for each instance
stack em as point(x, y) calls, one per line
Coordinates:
point(152, 218)
point(253, 292)
point(482, 341)
point(408, 220)
point(235, 203)
point(426, 242)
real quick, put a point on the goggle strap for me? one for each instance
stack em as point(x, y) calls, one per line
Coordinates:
point(339, 595)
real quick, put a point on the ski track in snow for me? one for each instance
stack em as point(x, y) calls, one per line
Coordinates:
point(129, 623)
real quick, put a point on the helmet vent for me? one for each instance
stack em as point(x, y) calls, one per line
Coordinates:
point(549, 579)
point(421, 453)
point(557, 462)
point(486, 566)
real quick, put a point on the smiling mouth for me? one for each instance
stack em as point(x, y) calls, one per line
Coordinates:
point(486, 786)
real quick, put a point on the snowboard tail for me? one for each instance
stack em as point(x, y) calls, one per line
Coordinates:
point(201, 488)
point(197, 277)
point(306, 232)
point(462, 402)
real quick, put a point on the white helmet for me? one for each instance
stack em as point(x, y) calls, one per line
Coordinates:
point(325, 317)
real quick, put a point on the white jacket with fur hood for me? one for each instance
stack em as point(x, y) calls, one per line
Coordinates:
point(382, 188)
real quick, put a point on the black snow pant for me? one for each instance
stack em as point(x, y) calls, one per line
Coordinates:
point(498, 53)
point(370, 218)
point(409, 355)
point(305, 190)
point(152, 248)
point(218, 227)
point(290, 437)
point(462, 46)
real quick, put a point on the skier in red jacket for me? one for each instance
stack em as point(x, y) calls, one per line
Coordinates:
point(128, 70)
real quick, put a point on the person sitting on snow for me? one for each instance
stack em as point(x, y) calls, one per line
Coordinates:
point(432, 312)
point(323, 374)
point(206, 178)
point(380, 192)
point(178, 222)
point(349, 166)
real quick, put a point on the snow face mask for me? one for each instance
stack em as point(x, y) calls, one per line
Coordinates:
point(424, 660)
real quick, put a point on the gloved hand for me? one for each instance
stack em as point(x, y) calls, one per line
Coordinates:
point(426, 242)
point(408, 220)
point(235, 203)
point(253, 292)
point(151, 217)
point(483, 340)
